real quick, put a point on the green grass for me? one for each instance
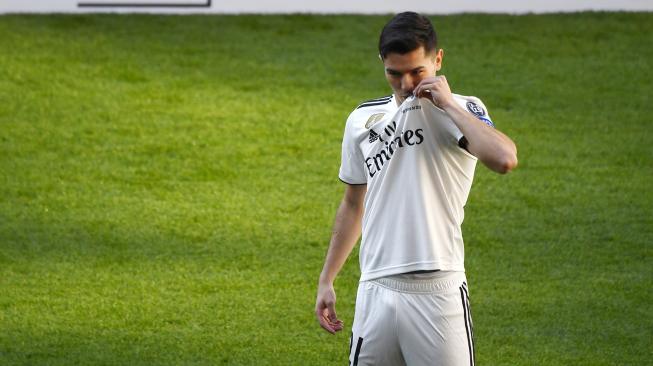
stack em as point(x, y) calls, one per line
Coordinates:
point(168, 184)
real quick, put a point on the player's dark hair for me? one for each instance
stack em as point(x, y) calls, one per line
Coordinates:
point(406, 32)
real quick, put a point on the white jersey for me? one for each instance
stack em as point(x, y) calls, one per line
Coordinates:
point(418, 180)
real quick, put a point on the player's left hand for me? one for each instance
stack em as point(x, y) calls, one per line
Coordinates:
point(436, 89)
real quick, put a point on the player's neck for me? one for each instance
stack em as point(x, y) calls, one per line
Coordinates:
point(398, 100)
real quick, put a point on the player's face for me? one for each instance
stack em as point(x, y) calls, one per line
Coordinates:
point(405, 71)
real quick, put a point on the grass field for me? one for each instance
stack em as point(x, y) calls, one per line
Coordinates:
point(168, 184)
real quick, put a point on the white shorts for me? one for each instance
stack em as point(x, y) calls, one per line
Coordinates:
point(421, 319)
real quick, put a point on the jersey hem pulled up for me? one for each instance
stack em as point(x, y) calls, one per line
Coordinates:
point(411, 267)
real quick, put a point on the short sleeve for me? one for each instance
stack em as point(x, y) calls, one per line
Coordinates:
point(448, 128)
point(476, 107)
point(352, 162)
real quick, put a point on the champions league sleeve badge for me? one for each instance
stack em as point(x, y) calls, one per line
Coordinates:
point(479, 112)
point(475, 109)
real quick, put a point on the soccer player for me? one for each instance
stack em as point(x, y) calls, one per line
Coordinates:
point(408, 160)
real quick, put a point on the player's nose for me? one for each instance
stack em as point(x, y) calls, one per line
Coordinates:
point(407, 84)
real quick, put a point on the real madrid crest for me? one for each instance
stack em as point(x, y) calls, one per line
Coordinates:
point(373, 119)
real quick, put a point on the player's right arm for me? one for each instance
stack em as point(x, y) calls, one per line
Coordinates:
point(346, 231)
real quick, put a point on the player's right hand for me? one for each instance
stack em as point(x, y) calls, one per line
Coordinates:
point(325, 309)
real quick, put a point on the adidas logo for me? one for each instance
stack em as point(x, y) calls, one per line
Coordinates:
point(373, 136)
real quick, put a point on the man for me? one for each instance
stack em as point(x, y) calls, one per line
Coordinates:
point(408, 160)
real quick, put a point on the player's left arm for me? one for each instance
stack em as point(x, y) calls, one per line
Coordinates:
point(493, 148)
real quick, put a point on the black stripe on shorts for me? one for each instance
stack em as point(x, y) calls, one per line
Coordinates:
point(468, 322)
point(358, 350)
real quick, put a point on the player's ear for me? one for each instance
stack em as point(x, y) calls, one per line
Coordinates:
point(439, 54)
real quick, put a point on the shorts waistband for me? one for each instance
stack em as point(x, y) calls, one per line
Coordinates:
point(430, 285)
